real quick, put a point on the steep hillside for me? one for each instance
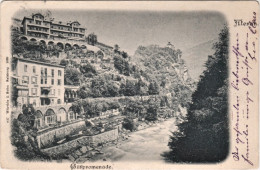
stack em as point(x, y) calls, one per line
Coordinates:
point(106, 72)
point(163, 65)
point(196, 56)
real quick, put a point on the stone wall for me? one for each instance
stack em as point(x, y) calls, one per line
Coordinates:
point(48, 136)
point(104, 137)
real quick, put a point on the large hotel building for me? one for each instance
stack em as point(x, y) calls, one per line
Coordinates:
point(38, 26)
point(38, 83)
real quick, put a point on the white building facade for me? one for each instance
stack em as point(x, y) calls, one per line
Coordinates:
point(38, 83)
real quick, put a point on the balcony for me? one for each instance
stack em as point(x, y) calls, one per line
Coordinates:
point(37, 25)
point(67, 31)
point(39, 31)
point(60, 30)
point(22, 87)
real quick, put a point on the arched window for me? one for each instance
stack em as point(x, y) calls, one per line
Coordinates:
point(50, 117)
point(38, 119)
point(71, 115)
point(62, 115)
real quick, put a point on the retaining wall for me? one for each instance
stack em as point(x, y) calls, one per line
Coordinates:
point(81, 141)
point(48, 137)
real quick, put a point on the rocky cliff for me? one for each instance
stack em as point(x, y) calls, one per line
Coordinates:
point(165, 66)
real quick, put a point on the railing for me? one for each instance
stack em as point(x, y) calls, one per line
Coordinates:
point(39, 31)
point(38, 25)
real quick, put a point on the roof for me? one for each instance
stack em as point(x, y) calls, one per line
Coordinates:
point(38, 62)
point(75, 22)
point(55, 23)
point(38, 14)
point(32, 19)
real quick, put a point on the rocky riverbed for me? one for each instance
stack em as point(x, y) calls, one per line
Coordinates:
point(147, 144)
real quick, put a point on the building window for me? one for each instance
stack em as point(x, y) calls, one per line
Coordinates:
point(45, 72)
point(58, 101)
point(52, 81)
point(25, 68)
point(34, 91)
point(34, 69)
point(52, 72)
point(25, 79)
point(50, 119)
point(45, 80)
point(38, 22)
point(59, 82)
point(71, 115)
point(59, 72)
point(38, 123)
point(42, 71)
point(34, 80)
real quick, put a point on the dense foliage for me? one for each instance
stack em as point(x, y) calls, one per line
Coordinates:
point(94, 108)
point(122, 65)
point(72, 76)
point(204, 137)
point(23, 136)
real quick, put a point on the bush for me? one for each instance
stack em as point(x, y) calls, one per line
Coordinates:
point(128, 124)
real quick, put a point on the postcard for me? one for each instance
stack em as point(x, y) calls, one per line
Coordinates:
point(129, 85)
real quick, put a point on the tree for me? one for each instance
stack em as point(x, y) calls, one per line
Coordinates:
point(128, 124)
point(88, 70)
point(153, 88)
point(112, 90)
point(18, 45)
point(84, 92)
point(64, 62)
point(204, 137)
point(122, 65)
point(116, 48)
point(124, 55)
point(72, 76)
point(130, 89)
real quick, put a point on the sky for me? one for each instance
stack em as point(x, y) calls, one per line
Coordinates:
point(129, 29)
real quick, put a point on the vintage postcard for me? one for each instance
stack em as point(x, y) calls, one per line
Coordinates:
point(129, 85)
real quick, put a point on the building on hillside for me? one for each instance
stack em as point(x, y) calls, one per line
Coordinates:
point(92, 39)
point(38, 26)
point(65, 36)
point(37, 83)
point(169, 45)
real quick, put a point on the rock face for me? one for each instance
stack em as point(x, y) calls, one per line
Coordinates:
point(164, 65)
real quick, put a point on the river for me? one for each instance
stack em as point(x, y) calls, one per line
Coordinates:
point(144, 145)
